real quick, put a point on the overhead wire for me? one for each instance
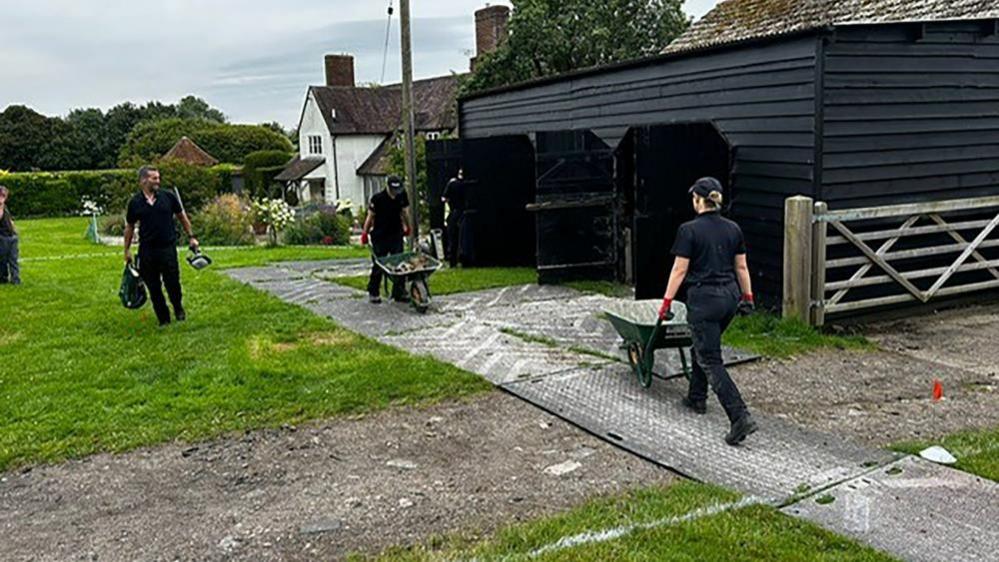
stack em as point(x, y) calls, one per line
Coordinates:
point(388, 33)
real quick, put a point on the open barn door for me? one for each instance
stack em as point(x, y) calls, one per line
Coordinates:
point(575, 207)
point(443, 162)
point(668, 159)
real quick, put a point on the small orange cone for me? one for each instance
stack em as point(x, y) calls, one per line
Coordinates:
point(937, 390)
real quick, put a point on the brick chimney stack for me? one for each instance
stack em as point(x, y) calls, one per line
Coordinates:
point(491, 29)
point(340, 70)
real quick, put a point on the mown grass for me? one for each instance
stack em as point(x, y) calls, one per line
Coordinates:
point(750, 533)
point(976, 451)
point(605, 288)
point(462, 280)
point(79, 374)
point(771, 336)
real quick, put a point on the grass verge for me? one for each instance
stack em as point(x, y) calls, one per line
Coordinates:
point(976, 451)
point(80, 374)
point(750, 533)
point(452, 281)
point(771, 336)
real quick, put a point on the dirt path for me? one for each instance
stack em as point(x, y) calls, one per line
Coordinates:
point(315, 492)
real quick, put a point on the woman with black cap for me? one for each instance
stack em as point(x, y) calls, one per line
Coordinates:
point(710, 254)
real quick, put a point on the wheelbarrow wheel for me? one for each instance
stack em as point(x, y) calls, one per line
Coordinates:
point(419, 295)
point(636, 358)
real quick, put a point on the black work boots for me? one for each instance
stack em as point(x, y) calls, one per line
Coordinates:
point(741, 428)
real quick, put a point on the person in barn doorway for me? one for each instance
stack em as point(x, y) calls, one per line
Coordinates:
point(387, 224)
point(710, 258)
point(454, 198)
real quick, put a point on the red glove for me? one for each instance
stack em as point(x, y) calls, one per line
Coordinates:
point(664, 313)
point(748, 297)
point(364, 238)
point(405, 230)
point(746, 305)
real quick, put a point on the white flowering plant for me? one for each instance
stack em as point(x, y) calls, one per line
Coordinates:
point(275, 213)
point(89, 207)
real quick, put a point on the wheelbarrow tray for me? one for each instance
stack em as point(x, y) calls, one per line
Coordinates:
point(389, 263)
point(635, 322)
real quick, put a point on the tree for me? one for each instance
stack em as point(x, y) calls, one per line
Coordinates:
point(192, 107)
point(397, 167)
point(30, 140)
point(228, 143)
point(550, 37)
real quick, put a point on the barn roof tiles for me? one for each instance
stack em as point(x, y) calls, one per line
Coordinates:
point(378, 110)
point(299, 168)
point(733, 21)
point(186, 150)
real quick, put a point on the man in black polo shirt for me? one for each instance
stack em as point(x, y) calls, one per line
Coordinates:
point(387, 222)
point(154, 211)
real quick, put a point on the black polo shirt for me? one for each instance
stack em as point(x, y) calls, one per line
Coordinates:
point(711, 242)
point(388, 216)
point(7, 224)
point(156, 227)
point(455, 193)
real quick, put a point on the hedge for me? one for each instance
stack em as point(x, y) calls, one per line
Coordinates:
point(228, 143)
point(259, 169)
point(54, 194)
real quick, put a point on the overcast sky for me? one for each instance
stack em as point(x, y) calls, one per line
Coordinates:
point(251, 58)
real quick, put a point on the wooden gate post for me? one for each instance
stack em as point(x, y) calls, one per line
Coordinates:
point(798, 258)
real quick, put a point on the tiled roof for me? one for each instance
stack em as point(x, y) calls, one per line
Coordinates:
point(186, 150)
point(378, 163)
point(299, 168)
point(378, 110)
point(741, 20)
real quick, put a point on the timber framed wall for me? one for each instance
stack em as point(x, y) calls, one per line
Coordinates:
point(911, 113)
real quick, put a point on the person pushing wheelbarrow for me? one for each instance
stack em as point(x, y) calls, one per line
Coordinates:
point(710, 254)
point(387, 223)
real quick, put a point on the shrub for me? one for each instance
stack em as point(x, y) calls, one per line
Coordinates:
point(197, 184)
point(113, 225)
point(259, 169)
point(225, 221)
point(319, 225)
point(227, 143)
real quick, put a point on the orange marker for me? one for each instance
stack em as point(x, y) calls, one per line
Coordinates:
point(937, 390)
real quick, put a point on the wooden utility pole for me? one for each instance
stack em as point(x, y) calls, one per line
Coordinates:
point(408, 118)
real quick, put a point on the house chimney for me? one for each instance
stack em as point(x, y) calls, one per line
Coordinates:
point(491, 29)
point(340, 70)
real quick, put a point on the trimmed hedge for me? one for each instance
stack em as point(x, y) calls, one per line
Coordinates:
point(259, 169)
point(55, 194)
point(229, 143)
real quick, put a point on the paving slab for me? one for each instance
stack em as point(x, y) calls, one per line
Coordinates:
point(779, 462)
point(913, 509)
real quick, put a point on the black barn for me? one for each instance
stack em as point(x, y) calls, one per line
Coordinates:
point(776, 98)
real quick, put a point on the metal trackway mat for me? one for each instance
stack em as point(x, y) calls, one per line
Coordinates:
point(775, 464)
point(914, 509)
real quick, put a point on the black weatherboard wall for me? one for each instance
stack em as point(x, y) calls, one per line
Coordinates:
point(762, 98)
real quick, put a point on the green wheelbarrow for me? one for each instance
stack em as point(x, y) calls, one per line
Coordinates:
point(638, 324)
point(412, 269)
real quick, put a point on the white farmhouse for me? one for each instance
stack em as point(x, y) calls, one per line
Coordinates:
point(346, 131)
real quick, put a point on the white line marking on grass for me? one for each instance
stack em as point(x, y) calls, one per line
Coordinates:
point(595, 537)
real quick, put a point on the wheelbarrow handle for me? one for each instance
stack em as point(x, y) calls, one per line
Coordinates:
point(650, 346)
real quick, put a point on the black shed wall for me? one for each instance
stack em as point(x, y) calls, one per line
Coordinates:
point(911, 113)
point(761, 97)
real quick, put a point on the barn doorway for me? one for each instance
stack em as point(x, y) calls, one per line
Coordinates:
point(666, 160)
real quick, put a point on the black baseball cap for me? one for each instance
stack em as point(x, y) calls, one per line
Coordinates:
point(395, 183)
point(705, 186)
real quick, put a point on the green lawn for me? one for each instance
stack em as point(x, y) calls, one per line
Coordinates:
point(80, 374)
point(461, 280)
point(750, 533)
point(977, 451)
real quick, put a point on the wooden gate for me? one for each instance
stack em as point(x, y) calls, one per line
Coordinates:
point(859, 259)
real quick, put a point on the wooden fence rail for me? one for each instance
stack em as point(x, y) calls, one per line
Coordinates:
point(808, 293)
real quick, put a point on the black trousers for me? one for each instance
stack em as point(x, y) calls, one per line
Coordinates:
point(382, 248)
point(710, 309)
point(10, 271)
point(454, 237)
point(158, 268)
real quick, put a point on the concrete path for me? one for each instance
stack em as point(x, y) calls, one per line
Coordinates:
point(904, 506)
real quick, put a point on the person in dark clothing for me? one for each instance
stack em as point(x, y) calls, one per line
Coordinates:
point(454, 197)
point(710, 257)
point(387, 223)
point(154, 211)
point(10, 271)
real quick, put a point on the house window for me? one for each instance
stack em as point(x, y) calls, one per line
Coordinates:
point(315, 144)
